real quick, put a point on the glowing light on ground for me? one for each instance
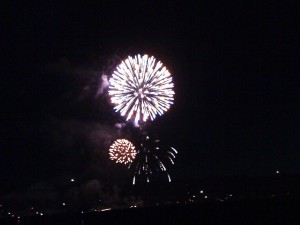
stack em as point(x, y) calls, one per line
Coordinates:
point(107, 209)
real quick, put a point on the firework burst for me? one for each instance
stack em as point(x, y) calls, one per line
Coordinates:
point(141, 88)
point(122, 151)
point(152, 158)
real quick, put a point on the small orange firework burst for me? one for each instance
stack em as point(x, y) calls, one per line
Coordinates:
point(122, 151)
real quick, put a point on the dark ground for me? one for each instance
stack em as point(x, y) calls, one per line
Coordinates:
point(244, 212)
point(236, 200)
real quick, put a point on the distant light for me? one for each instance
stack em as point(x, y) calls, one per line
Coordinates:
point(9, 213)
point(230, 195)
point(18, 217)
point(205, 196)
point(82, 212)
point(194, 196)
point(41, 214)
point(37, 213)
point(277, 171)
point(72, 180)
point(64, 203)
point(107, 209)
point(201, 192)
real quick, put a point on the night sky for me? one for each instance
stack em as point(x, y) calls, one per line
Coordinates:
point(235, 66)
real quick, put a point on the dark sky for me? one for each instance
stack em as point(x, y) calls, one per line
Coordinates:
point(235, 66)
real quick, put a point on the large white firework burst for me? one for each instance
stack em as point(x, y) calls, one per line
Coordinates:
point(141, 87)
point(122, 151)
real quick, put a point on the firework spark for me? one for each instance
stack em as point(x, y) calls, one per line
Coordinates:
point(141, 88)
point(152, 158)
point(122, 151)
